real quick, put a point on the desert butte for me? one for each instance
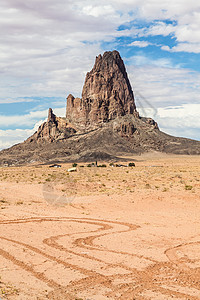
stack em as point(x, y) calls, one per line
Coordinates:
point(101, 232)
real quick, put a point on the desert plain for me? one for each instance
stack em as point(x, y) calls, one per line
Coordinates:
point(101, 232)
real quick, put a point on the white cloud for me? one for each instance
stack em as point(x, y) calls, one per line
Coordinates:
point(140, 44)
point(47, 47)
point(11, 137)
point(142, 60)
point(28, 119)
point(160, 28)
point(184, 47)
point(180, 121)
point(97, 11)
point(162, 86)
point(23, 120)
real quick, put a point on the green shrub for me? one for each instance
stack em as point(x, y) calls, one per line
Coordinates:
point(74, 165)
point(188, 187)
point(131, 164)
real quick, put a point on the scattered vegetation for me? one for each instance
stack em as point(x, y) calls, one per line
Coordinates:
point(117, 177)
point(188, 187)
point(7, 290)
point(147, 186)
point(131, 164)
point(19, 202)
point(3, 201)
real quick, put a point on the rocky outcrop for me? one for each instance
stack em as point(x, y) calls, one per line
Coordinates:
point(106, 94)
point(104, 124)
point(55, 128)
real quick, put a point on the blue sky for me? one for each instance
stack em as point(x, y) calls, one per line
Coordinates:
point(46, 48)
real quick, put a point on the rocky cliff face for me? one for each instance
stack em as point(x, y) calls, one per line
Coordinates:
point(106, 94)
point(54, 129)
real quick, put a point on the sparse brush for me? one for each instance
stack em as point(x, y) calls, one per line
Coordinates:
point(188, 187)
point(147, 186)
point(19, 202)
point(131, 164)
point(3, 201)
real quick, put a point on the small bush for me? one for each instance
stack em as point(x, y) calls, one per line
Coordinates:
point(74, 165)
point(188, 187)
point(89, 165)
point(102, 166)
point(131, 164)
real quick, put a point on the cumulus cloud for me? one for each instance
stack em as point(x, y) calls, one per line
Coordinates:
point(180, 121)
point(48, 46)
point(11, 137)
point(140, 44)
point(29, 119)
point(184, 47)
point(162, 86)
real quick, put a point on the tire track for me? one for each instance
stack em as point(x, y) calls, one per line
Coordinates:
point(92, 276)
point(143, 279)
point(88, 243)
point(171, 254)
point(29, 269)
point(52, 242)
point(50, 257)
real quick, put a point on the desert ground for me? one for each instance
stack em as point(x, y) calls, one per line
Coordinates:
point(101, 232)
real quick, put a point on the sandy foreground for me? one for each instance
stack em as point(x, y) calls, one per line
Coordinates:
point(101, 233)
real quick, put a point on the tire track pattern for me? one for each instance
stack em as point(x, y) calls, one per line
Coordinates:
point(140, 280)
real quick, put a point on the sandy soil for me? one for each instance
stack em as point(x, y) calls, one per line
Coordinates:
point(101, 233)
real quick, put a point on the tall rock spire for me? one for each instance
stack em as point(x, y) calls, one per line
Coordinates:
point(106, 94)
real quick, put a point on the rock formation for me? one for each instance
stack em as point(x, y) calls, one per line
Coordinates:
point(54, 129)
point(106, 94)
point(103, 124)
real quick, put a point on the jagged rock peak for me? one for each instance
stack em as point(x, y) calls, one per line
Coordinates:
point(51, 116)
point(106, 94)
